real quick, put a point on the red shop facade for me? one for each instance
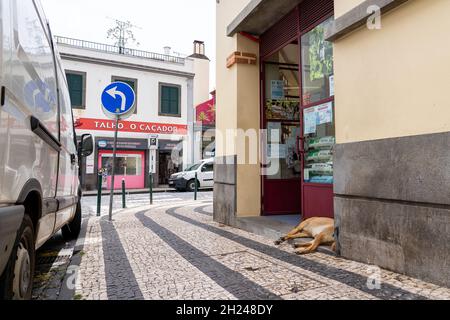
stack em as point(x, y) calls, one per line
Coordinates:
point(297, 101)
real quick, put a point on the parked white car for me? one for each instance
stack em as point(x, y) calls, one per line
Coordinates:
point(185, 181)
point(39, 157)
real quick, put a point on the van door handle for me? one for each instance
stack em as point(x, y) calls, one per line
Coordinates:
point(3, 96)
point(73, 158)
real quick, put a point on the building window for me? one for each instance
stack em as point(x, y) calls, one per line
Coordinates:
point(133, 83)
point(76, 82)
point(169, 100)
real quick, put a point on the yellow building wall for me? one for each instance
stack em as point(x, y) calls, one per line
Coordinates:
point(238, 106)
point(343, 6)
point(226, 79)
point(394, 82)
point(248, 105)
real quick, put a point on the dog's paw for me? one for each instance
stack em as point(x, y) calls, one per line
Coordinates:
point(301, 252)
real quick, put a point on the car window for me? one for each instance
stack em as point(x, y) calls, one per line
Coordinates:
point(194, 167)
point(209, 167)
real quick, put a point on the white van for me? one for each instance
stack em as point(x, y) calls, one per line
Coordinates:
point(39, 158)
point(185, 181)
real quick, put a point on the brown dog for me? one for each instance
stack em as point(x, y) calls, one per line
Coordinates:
point(321, 229)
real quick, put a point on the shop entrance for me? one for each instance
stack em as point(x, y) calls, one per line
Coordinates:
point(281, 119)
point(166, 167)
point(298, 102)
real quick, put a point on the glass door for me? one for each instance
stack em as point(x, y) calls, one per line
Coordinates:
point(317, 107)
point(281, 119)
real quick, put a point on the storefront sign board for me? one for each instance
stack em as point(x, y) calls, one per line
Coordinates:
point(131, 126)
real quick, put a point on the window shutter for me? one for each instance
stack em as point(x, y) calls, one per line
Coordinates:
point(312, 11)
point(170, 100)
point(299, 20)
point(75, 83)
point(280, 34)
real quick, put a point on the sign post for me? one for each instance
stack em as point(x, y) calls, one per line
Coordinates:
point(153, 146)
point(118, 100)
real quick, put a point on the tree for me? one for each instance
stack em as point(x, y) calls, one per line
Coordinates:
point(122, 34)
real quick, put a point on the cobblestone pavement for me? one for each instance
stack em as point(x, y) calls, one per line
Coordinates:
point(175, 251)
point(138, 200)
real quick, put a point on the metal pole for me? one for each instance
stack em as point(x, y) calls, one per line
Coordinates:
point(196, 187)
point(111, 200)
point(151, 188)
point(99, 193)
point(124, 201)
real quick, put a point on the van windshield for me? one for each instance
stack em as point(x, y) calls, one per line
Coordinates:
point(194, 167)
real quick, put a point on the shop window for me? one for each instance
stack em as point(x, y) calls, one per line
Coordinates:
point(282, 85)
point(133, 83)
point(169, 100)
point(319, 143)
point(318, 105)
point(76, 82)
point(317, 65)
point(126, 165)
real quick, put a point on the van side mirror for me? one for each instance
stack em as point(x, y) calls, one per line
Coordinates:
point(86, 146)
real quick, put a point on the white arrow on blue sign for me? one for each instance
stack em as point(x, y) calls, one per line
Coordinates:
point(118, 99)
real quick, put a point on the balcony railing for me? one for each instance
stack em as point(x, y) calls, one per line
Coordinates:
point(118, 50)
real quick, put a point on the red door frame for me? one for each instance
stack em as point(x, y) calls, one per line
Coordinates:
point(320, 194)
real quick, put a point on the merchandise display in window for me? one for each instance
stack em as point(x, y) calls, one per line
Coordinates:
point(319, 144)
point(283, 109)
point(319, 160)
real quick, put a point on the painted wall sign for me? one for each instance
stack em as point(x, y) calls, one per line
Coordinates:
point(206, 113)
point(129, 126)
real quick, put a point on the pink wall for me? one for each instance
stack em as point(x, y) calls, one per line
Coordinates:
point(131, 182)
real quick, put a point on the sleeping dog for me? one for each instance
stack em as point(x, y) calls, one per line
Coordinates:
point(321, 229)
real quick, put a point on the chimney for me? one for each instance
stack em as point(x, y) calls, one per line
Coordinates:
point(167, 51)
point(199, 47)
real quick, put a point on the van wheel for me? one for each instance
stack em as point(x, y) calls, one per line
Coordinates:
point(190, 187)
point(16, 282)
point(73, 229)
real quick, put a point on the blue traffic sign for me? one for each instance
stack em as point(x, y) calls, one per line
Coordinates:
point(118, 99)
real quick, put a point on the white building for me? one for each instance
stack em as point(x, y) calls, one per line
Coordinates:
point(168, 87)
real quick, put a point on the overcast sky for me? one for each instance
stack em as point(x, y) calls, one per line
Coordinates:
point(174, 23)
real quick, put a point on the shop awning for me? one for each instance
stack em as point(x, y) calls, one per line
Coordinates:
point(259, 15)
